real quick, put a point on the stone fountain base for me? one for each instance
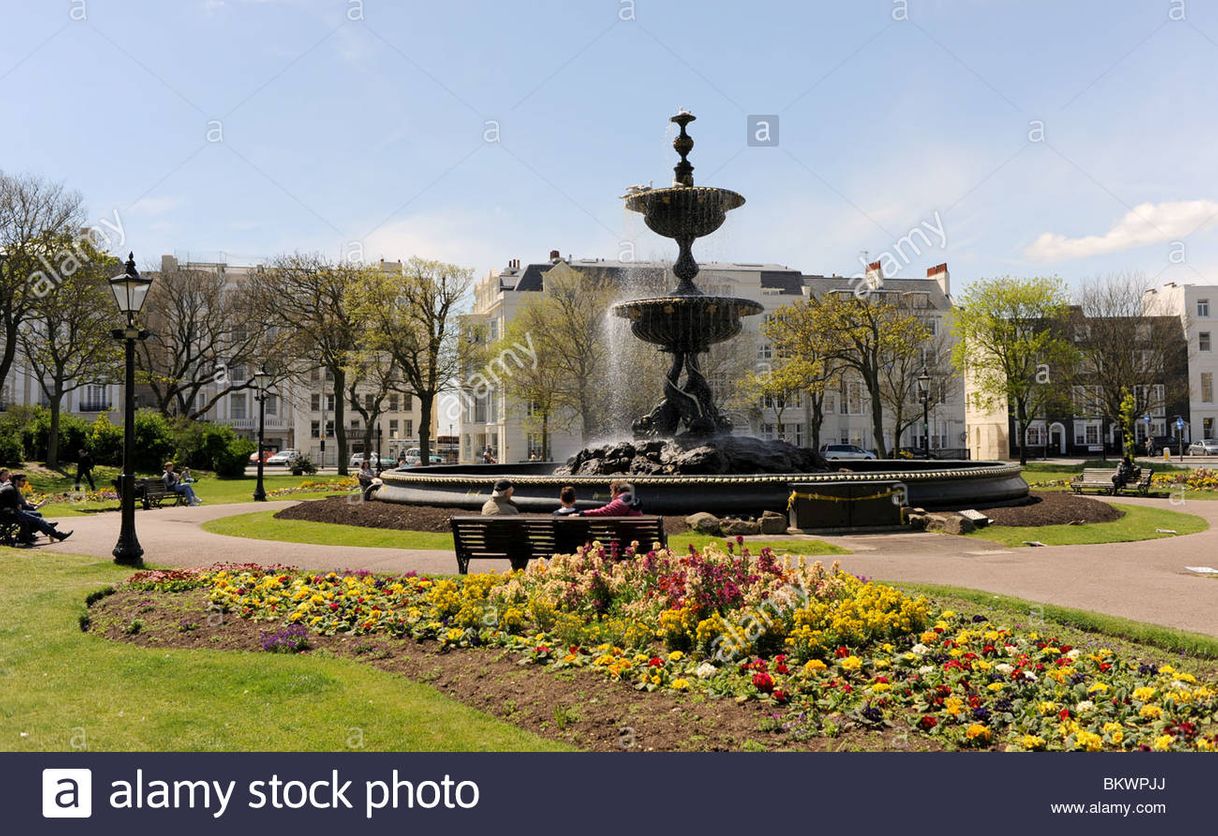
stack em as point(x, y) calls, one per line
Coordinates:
point(693, 456)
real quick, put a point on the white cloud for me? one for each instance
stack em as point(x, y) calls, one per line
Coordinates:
point(154, 205)
point(1147, 223)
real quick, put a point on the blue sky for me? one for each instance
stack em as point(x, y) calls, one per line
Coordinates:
point(340, 133)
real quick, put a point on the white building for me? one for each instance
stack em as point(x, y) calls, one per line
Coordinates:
point(1197, 307)
point(501, 425)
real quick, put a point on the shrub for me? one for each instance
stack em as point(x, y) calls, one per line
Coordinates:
point(303, 465)
point(216, 447)
point(231, 463)
point(12, 451)
point(106, 441)
point(154, 443)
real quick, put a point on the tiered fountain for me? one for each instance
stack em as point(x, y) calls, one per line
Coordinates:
point(684, 457)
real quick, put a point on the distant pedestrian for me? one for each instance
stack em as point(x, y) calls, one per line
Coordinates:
point(84, 469)
point(488, 457)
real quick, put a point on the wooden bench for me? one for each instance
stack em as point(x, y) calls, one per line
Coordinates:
point(1101, 479)
point(519, 539)
point(152, 492)
point(9, 528)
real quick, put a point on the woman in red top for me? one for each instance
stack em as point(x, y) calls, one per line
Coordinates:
point(622, 503)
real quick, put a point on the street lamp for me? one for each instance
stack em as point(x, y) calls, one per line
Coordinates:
point(130, 290)
point(378, 445)
point(924, 397)
point(262, 379)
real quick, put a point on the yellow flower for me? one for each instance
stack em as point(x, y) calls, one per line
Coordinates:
point(1151, 712)
point(1143, 694)
point(1032, 743)
point(1097, 688)
point(1118, 736)
point(851, 663)
point(1111, 727)
point(814, 665)
point(679, 684)
point(953, 705)
point(1162, 743)
point(676, 656)
point(1204, 745)
point(1089, 741)
point(976, 731)
point(996, 686)
point(880, 687)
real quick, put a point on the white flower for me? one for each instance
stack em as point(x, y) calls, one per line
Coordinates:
point(1084, 706)
point(1003, 668)
point(706, 669)
point(926, 669)
point(919, 649)
point(1028, 675)
point(1074, 654)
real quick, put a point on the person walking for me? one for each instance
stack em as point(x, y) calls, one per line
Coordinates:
point(84, 469)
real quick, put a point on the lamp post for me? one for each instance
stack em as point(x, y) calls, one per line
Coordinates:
point(378, 445)
point(130, 290)
point(924, 396)
point(262, 379)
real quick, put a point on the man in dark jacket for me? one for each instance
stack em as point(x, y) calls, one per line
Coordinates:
point(13, 504)
point(84, 469)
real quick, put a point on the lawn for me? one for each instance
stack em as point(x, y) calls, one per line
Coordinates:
point(1140, 522)
point(211, 490)
point(65, 689)
point(262, 525)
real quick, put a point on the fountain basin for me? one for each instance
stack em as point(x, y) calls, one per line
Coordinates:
point(684, 211)
point(937, 485)
point(686, 323)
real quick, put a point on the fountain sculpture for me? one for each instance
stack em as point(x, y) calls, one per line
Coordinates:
point(684, 457)
point(686, 322)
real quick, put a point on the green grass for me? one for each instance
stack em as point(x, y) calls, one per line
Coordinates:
point(211, 490)
point(61, 686)
point(1195, 645)
point(262, 525)
point(1138, 523)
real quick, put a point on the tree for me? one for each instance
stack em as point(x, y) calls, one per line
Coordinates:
point(200, 330)
point(311, 299)
point(1012, 345)
point(66, 338)
point(374, 375)
point(802, 358)
point(40, 239)
point(1123, 351)
point(863, 336)
point(534, 386)
point(415, 318)
point(899, 390)
point(564, 323)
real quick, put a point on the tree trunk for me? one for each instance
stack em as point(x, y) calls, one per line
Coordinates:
point(877, 419)
point(340, 422)
point(545, 436)
point(55, 402)
point(425, 404)
point(8, 354)
point(1021, 427)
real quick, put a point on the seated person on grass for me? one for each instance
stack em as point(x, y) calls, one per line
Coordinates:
point(622, 503)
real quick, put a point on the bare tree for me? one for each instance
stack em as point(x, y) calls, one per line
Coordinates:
point(66, 338)
point(371, 378)
point(200, 330)
point(1125, 351)
point(309, 297)
point(899, 390)
point(40, 227)
point(414, 318)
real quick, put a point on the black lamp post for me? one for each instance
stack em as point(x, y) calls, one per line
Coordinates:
point(261, 379)
point(130, 290)
point(378, 445)
point(924, 396)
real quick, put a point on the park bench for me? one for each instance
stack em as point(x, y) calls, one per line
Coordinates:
point(519, 539)
point(152, 492)
point(9, 528)
point(1100, 479)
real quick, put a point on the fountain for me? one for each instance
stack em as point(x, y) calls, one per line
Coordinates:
point(684, 457)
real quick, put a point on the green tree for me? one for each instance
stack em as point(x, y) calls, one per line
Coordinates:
point(801, 359)
point(1012, 345)
point(66, 339)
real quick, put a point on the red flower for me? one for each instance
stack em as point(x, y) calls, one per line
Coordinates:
point(1105, 666)
point(655, 662)
point(763, 682)
point(780, 695)
point(842, 652)
point(847, 688)
point(333, 605)
point(781, 667)
point(1064, 714)
point(974, 701)
point(880, 679)
point(928, 721)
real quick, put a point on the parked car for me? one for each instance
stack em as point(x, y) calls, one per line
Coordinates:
point(1205, 447)
point(284, 457)
point(835, 452)
point(266, 455)
point(414, 460)
point(387, 462)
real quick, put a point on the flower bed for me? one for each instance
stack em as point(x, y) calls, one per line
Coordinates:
point(816, 641)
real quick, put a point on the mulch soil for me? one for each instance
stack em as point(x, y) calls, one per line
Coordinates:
point(1055, 508)
point(578, 707)
point(401, 517)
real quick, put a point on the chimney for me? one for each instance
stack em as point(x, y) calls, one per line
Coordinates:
point(939, 274)
point(555, 256)
point(875, 275)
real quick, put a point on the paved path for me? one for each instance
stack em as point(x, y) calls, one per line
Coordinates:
point(1143, 581)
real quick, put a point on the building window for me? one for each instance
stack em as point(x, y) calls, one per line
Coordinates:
point(1207, 387)
point(1093, 434)
point(393, 401)
point(315, 429)
point(1203, 340)
point(393, 427)
point(1203, 307)
point(315, 402)
point(765, 351)
point(409, 428)
point(272, 405)
point(236, 405)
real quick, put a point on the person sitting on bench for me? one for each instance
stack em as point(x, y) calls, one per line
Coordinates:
point(621, 504)
point(12, 502)
point(566, 502)
point(1126, 472)
point(174, 483)
point(500, 504)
